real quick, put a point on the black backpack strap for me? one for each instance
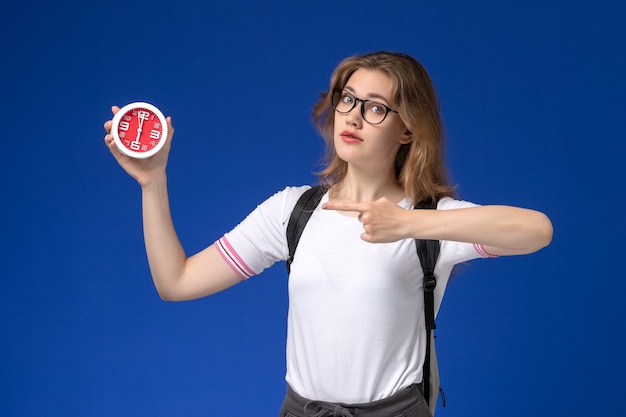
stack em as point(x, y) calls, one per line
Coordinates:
point(300, 215)
point(428, 252)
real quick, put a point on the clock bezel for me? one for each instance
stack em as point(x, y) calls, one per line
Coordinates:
point(118, 141)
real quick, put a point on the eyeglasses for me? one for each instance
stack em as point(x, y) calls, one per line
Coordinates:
point(373, 112)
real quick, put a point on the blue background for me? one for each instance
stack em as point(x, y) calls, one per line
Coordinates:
point(532, 95)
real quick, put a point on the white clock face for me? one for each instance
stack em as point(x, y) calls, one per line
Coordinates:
point(139, 130)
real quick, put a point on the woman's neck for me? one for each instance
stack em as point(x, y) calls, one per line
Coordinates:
point(364, 186)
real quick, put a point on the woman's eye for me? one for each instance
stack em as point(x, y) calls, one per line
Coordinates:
point(376, 109)
point(347, 99)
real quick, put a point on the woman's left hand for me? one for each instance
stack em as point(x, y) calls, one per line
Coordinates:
point(383, 220)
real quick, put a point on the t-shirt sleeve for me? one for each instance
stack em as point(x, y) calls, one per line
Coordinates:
point(451, 252)
point(260, 240)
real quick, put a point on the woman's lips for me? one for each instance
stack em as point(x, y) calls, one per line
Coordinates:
point(350, 137)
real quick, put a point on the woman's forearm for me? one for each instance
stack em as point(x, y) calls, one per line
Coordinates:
point(504, 229)
point(165, 252)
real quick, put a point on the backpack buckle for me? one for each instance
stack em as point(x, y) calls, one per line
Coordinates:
point(430, 282)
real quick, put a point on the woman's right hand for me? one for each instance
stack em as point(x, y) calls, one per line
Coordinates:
point(142, 170)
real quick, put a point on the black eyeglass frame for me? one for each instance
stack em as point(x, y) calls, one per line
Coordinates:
point(356, 102)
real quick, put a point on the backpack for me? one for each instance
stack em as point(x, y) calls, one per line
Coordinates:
point(428, 252)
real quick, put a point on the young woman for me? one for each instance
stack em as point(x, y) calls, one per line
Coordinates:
point(356, 335)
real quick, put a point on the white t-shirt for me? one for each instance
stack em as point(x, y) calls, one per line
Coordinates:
point(356, 310)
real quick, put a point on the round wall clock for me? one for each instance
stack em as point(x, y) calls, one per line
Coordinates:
point(139, 130)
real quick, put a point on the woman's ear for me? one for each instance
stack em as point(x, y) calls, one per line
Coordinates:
point(407, 137)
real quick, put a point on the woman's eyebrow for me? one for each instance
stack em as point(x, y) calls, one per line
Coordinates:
point(369, 96)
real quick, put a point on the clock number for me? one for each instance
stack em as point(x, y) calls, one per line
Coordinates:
point(124, 125)
point(135, 146)
point(142, 114)
point(155, 134)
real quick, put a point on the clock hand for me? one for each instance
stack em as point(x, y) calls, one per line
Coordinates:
point(141, 117)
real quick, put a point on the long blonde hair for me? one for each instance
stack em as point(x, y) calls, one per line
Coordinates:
point(420, 168)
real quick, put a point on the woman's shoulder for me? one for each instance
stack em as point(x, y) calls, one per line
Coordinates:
point(449, 203)
point(291, 194)
point(282, 202)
